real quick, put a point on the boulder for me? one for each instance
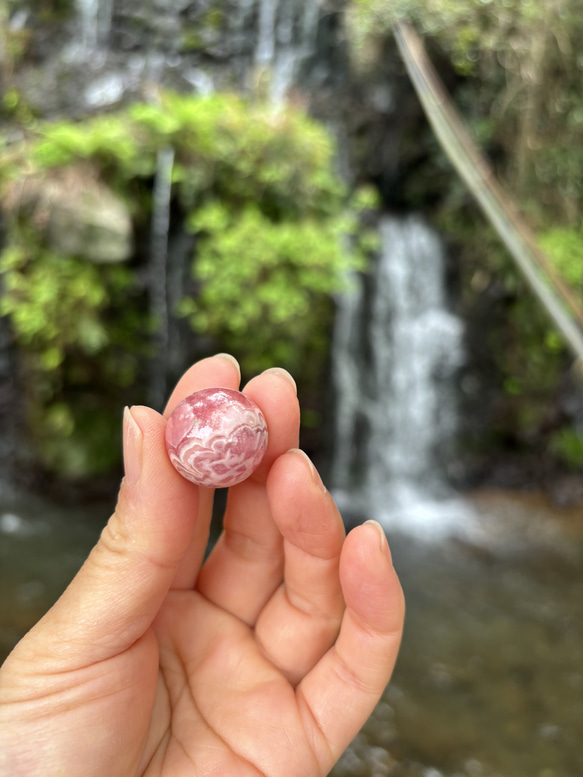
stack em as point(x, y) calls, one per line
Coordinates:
point(77, 213)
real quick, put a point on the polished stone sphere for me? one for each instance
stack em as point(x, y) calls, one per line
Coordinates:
point(216, 437)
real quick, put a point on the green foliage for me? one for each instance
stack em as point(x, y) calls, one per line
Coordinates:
point(108, 141)
point(520, 91)
point(275, 236)
point(77, 439)
point(261, 280)
point(53, 302)
point(469, 30)
point(564, 246)
point(567, 445)
point(58, 308)
point(225, 147)
point(515, 69)
point(529, 354)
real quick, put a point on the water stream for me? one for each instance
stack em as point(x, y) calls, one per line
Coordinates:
point(270, 43)
point(286, 38)
point(489, 681)
point(396, 350)
point(158, 272)
point(93, 29)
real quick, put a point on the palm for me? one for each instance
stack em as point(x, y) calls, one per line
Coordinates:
point(153, 663)
point(218, 698)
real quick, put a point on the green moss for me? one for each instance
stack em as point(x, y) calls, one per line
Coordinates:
point(214, 18)
point(191, 40)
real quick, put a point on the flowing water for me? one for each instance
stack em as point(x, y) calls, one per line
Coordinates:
point(158, 275)
point(286, 39)
point(396, 350)
point(118, 49)
point(489, 681)
point(93, 29)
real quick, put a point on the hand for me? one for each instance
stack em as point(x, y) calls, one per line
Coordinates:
point(264, 660)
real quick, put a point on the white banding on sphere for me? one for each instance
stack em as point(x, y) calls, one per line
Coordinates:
point(216, 437)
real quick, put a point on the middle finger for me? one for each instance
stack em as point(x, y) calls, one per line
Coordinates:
point(246, 565)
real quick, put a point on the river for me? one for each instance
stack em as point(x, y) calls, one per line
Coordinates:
point(489, 681)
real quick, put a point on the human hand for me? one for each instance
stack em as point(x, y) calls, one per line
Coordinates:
point(265, 660)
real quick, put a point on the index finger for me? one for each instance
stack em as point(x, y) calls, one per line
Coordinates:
point(220, 370)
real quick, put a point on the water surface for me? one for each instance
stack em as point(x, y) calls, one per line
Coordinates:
point(489, 681)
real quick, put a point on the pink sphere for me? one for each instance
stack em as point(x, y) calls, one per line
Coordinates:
point(216, 437)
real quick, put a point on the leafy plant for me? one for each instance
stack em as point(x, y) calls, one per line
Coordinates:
point(261, 282)
point(60, 312)
point(275, 235)
point(564, 246)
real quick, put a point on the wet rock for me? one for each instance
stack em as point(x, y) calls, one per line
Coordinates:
point(96, 227)
point(77, 56)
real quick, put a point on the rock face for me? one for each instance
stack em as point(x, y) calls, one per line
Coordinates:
point(107, 51)
point(99, 54)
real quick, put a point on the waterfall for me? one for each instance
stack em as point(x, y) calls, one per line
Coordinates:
point(396, 349)
point(93, 22)
point(117, 51)
point(286, 38)
point(88, 15)
point(158, 285)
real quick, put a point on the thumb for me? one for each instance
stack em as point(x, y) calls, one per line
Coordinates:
point(117, 593)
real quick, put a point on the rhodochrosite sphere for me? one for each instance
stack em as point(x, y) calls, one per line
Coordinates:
point(216, 437)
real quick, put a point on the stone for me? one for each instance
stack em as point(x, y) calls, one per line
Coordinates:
point(79, 214)
point(92, 223)
point(216, 437)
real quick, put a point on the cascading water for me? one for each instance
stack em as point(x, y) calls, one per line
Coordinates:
point(93, 29)
point(396, 350)
point(286, 38)
point(127, 49)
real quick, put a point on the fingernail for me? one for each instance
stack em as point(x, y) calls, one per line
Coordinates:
point(132, 447)
point(315, 474)
point(231, 359)
point(283, 373)
point(384, 545)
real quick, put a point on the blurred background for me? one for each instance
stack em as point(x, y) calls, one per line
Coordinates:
point(259, 176)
